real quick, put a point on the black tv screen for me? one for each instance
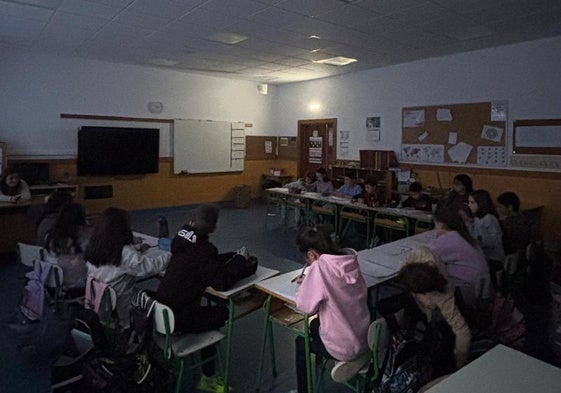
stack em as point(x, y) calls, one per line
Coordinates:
point(106, 151)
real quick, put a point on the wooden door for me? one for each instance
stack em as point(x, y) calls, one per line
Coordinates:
point(317, 144)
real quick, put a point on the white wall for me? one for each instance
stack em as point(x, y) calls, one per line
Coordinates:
point(37, 88)
point(527, 75)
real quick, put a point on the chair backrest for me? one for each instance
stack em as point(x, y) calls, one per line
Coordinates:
point(378, 340)
point(54, 279)
point(164, 320)
point(101, 298)
point(29, 253)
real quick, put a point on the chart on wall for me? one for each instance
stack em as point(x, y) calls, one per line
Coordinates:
point(465, 134)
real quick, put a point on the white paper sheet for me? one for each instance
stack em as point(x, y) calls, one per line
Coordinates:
point(414, 118)
point(423, 136)
point(460, 152)
point(492, 133)
point(443, 114)
point(453, 138)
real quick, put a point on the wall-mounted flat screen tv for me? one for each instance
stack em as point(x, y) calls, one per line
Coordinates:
point(110, 151)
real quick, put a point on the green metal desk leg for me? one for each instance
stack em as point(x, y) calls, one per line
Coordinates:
point(267, 331)
point(228, 344)
point(308, 354)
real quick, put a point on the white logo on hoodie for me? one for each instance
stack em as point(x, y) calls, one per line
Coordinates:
point(188, 235)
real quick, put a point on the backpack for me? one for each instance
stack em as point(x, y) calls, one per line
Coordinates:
point(509, 324)
point(35, 330)
point(421, 350)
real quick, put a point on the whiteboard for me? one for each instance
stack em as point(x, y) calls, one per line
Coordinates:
point(205, 146)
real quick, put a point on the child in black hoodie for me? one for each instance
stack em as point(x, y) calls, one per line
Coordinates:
point(196, 264)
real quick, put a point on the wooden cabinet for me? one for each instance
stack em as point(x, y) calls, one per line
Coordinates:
point(385, 178)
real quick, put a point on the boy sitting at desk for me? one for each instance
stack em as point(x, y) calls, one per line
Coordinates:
point(417, 199)
point(349, 188)
point(196, 264)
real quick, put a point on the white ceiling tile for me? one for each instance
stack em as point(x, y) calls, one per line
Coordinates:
point(19, 27)
point(235, 9)
point(18, 10)
point(72, 20)
point(277, 17)
point(164, 8)
point(128, 17)
point(310, 7)
point(87, 8)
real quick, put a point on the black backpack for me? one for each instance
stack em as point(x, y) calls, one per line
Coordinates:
point(420, 351)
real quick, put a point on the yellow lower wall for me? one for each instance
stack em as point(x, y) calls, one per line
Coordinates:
point(533, 189)
point(166, 189)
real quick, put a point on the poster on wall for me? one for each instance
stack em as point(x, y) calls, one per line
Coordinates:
point(422, 153)
point(373, 128)
point(315, 150)
point(344, 143)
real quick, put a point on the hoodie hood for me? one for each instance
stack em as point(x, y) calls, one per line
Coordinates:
point(344, 266)
point(187, 237)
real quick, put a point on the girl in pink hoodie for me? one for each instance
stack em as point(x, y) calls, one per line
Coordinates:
point(335, 290)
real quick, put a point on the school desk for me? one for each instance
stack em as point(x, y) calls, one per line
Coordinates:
point(378, 266)
point(502, 370)
point(240, 299)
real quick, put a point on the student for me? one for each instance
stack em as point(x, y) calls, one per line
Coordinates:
point(486, 229)
point(113, 259)
point(65, 244)
point(417, 199)
point(307, 183)
point(13, 188)
point(461, 256)
point(334, 289)
point(323, 185)
point(371, 195)
point(458, 197)
point(516, 225)
point(349, 189)
point(48, 213)
point(196, 264)
point(428, 283)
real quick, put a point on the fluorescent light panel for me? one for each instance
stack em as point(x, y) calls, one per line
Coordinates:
point(337, 61)
point(227, 38)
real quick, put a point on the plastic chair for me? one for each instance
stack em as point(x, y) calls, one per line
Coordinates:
point(370, 372)
point(356, 215)
point(101, 298)
point(27, 254)
point(180, 347)
point(328, 212)
point(274, 202)
point(391, 224)
point(54, 281)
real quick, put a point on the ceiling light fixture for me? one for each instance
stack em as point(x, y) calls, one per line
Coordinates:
point(314, 37)
point(227, 38)
point(315, 50)
point(337, 61)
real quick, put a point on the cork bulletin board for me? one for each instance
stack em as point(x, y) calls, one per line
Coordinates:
point(462, 134)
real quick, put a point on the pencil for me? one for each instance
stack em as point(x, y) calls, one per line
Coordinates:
point(301, 275)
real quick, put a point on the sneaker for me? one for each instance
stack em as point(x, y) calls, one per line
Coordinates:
point(214, 384)
point(343, 371)
point(143, 369)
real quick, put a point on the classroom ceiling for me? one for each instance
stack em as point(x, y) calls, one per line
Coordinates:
point(282, 40)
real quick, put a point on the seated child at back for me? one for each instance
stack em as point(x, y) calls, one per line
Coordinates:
point(334, 289)
point(371, 195)
point(515, 224)
point(417, 199)
point(322, 185)
point(196, 264)
point(65, 244)
point(12, 187)
point(349, 189)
